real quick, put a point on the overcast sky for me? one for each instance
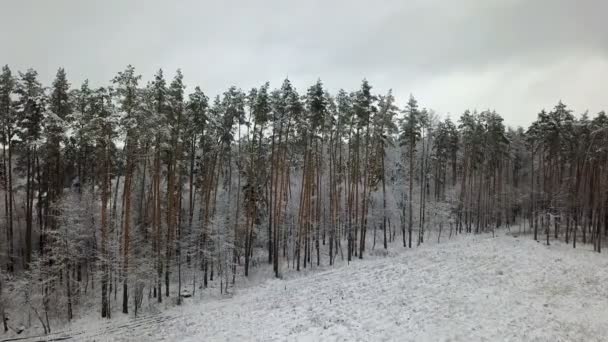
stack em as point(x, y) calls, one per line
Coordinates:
point(514, 56)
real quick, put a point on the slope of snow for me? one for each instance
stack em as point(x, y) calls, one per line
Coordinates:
point(472, 288)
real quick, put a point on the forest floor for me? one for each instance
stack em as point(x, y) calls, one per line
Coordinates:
point(471, 288)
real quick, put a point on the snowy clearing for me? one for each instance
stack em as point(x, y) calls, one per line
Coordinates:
point(472, 288)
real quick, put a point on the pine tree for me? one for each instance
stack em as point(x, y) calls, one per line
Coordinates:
point(60, 109)
point(196, 134)
point(363, 106)
point(8, 117)
point(174, 157)
point(383, 131)
point(158, 93)
point(30, 113)
point(102, 129)
point(410, 134)
point(126, 90)
point(260, 104)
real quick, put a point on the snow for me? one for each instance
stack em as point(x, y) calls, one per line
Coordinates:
point(471, 288)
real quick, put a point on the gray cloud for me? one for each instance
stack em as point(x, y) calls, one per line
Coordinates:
point(515, 56)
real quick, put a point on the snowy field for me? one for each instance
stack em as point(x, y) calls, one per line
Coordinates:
point(472, 288)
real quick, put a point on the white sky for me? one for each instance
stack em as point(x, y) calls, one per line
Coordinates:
point(514, 56)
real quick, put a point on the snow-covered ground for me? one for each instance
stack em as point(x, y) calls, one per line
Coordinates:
point(472, 288)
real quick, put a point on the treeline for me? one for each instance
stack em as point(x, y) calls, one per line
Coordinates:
point(127, 191)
